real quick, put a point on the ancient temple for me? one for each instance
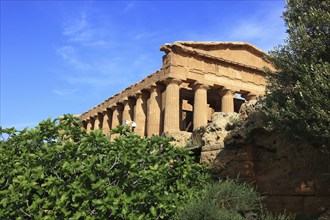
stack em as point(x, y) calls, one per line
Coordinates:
point(196, 79)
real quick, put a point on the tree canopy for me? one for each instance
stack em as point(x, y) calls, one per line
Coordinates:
point(58, 171)
point(298, 96)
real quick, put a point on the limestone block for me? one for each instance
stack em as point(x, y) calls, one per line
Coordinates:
point(179, 138)
point(215, 132)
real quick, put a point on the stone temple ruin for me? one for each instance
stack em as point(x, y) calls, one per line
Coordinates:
point(196, 80)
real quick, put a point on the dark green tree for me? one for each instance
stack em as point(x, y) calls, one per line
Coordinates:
point(298, 96)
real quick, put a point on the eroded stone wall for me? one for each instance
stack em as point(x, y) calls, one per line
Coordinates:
point(294, 176)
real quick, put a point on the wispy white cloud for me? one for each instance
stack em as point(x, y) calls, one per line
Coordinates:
point(82, 31)
point(64, 92)
point(69, 55)
point(144, 35)
point(264, 28)
point(128, 7)
point(76, 28)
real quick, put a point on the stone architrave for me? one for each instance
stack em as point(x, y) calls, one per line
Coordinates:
point(227, 100)
point(140, 113)
point(154, 111)
point(200, 105)
point(172, 105)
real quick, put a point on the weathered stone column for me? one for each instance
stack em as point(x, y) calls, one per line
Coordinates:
point(116, 119)
point(200, 105)
point(92, 124)
point(154, 111)
point(140, 113)
point(172, 105)
point(89, 126)
point(96, 122)
point(116, 116)
point(227, 101)
point(106, 122)
point(127, 110)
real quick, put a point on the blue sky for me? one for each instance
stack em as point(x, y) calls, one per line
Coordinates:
point(62, 57)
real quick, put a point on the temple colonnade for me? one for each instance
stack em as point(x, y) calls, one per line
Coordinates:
point(168, 105)
point(195, 80)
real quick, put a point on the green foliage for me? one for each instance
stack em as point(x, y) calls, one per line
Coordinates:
point(227, 200)
point(58, 171)
point(298, 99)
point(234, 123)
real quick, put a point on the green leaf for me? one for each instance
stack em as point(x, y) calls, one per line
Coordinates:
point(153, 211)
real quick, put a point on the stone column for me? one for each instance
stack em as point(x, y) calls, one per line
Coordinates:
point(106, 122)
point(96, 122)
point(172, 105)
point(154, 111)
point(89, 126)
point(200, 105)
point(116, 119)
point(116, 116)
point(127, 110)
point(227, 101)
point(140, 113)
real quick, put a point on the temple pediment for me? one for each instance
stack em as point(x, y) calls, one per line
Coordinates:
point(237, 53)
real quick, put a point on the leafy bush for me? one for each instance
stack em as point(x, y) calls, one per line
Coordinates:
point(227, 200)
point(58, 171)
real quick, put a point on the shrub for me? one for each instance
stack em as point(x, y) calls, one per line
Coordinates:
point(57, 171)
point(227, 200)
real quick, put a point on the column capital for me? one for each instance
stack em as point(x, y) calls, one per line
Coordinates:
point(199, 85)
point(226, 92)
point(250, 96)
point(105, 111)
point(172, 81)
point(153, 88)
point(125, 101)
point(140, 94)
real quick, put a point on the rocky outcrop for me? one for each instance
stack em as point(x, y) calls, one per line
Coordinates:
point(213, 135)
point(295, 176)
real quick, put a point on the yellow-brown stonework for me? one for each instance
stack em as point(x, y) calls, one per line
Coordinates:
point(196, 80)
